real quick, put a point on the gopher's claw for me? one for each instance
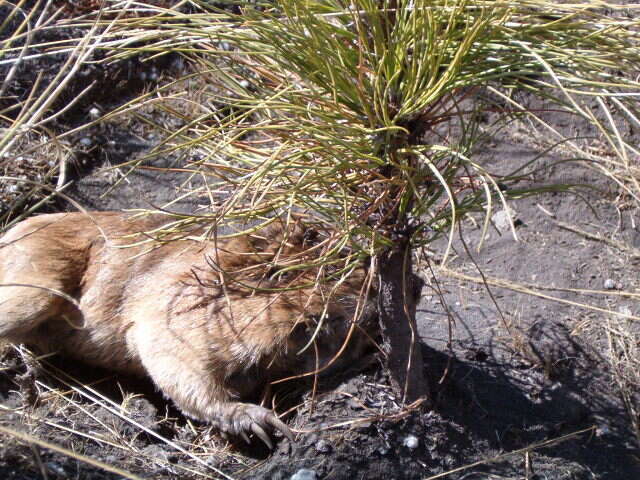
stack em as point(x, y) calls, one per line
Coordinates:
point(279, 425)
point(241, 419)
point(262, 435)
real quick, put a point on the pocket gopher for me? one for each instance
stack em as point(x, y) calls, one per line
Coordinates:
point(205, 319)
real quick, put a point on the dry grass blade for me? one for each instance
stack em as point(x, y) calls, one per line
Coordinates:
point(623, 343)
point(532, 290)
point(31, 440)
point(520, 451)
point(95, 397)
point(58, 293)
point(634, 252)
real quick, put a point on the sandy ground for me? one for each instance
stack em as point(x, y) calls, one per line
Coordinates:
point(509, 372)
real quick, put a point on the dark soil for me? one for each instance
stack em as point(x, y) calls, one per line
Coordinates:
point(507, 371)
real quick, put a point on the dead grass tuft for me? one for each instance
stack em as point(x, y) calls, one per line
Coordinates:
point(53, 411)
point(623, 357)
point(32, 161)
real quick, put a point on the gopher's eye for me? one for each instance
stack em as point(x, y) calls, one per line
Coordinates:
point(325, 320)
point(310, 235)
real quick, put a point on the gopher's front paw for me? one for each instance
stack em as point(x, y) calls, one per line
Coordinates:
point(244, 418)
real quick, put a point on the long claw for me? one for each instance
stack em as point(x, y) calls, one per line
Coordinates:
point(262, 435)
point(279, 425)
point(245, 437)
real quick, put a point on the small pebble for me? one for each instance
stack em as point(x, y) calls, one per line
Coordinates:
point(323, 447)
point(411, 442)
point(304, 474)
point(602, 431)
point(94, 113)
point(501, 220)
point(625, 310)
point(244, 83)
point(609, 284)
point(86, 142)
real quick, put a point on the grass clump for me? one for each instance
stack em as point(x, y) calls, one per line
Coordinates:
point(365, 116)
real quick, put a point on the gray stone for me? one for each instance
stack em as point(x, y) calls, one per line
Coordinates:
point(501, 219)
point(304, 474)
point(322, 446)
point(411, 442)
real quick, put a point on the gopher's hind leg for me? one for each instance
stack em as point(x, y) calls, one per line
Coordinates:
point(24, 307)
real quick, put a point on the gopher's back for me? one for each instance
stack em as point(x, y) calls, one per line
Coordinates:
point(48, 246)
point(58, 245)
point(48, 258)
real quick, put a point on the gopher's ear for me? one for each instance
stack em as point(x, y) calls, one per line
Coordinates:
point(310, 237)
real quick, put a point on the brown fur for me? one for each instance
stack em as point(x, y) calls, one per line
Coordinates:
point(208, 340)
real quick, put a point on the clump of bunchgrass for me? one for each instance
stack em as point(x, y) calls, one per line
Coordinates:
point(34, 157)
point(64, 416)
point(336, 110)
point(623, 356)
